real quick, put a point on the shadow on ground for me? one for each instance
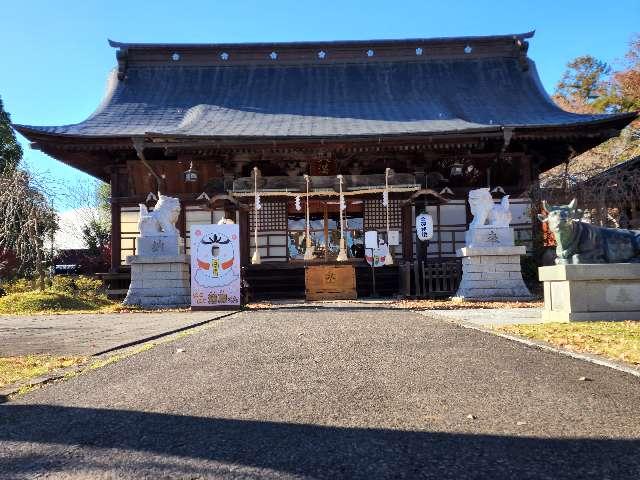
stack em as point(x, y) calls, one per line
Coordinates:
point(38, 433)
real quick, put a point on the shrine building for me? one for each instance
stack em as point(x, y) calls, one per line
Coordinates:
point(424, 119)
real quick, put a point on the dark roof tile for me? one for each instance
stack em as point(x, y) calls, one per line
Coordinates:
point(395, 97)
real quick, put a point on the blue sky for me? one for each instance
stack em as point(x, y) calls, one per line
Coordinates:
point(56, 58)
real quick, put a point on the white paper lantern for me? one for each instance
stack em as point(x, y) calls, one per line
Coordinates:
point(424, 226)
point(298, 204)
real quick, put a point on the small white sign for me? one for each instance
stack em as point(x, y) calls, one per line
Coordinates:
point(394, 237)
point(371, 239)
point(424, 226)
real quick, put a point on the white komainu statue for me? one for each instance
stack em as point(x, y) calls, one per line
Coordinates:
point(483, 209)
point(162, 220)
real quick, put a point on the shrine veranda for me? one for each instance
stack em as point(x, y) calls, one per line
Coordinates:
point(444, 115)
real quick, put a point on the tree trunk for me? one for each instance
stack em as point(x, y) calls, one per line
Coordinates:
point(39, 266)
point(40, 269)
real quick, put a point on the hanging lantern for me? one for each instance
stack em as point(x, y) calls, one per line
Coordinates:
point(191, 175)
point(385, 198)
point(298, 204)
point(424, 226)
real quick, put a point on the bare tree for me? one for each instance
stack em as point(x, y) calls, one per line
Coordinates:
point(27, 219)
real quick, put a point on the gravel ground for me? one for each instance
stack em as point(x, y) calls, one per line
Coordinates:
point(358, 394)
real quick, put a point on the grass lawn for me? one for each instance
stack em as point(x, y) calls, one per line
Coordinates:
point(51, 301)
point(14, 369)
point(616, 340)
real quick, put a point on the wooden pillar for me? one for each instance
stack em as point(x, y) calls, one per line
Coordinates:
point(243, 215)
point(407, 233)
point(115, 236)
point(115, 220)
point(182, 221)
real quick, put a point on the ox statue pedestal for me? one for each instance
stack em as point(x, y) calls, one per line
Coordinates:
point(597, 271)
point(490, 260)
point(160, 272)
point(600, 292)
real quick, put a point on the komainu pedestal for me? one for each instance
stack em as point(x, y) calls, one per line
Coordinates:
point(160, 272)
point(159, 281)
point(492, 273)
point(491, 261)
point(599, 292)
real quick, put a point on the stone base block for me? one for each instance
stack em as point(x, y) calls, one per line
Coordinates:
point(489, 236)
point(160, 245)
point(492, 273)
point(597, 292)
point(161, 281)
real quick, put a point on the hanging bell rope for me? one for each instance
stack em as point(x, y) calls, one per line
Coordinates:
point(255, 259)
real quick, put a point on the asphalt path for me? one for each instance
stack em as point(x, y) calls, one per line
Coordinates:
point(357, 394)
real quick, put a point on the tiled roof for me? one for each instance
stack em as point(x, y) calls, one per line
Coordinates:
point(317, 99)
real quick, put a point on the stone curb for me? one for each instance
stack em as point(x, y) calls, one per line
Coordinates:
point(8, 391)
point(587, 357)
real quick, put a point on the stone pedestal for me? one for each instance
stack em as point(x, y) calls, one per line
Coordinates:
point(492, 273)
point(160, 245)
point(609, 291)
point(489, 236)
point(159, 281)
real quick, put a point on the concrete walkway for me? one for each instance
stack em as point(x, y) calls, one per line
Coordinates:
point(489, 317)
point(88, 334)
point(327, 394)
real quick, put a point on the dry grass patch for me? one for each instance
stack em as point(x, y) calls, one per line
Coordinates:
point(17, 369)
point(50, 301)
point(413, 304)
point(615, 340)
point(458, 305)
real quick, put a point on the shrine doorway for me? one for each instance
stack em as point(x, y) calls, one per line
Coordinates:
point(324, 230)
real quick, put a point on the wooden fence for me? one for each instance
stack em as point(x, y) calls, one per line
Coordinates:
point(432, 279)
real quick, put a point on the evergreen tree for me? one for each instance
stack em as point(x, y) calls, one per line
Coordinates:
point(10, 149)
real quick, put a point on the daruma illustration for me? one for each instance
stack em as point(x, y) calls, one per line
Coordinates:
point(215, 258)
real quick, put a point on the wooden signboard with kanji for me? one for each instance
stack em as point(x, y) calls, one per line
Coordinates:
point(330, 282)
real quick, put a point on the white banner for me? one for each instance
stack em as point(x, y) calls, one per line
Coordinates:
point(215, 266)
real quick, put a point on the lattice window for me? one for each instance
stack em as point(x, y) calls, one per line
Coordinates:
point(375, 214)
point(271, 217)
